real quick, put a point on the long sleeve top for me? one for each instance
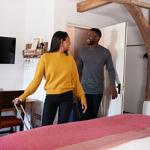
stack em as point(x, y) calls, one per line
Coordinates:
point(61, 75)
point(91, 62)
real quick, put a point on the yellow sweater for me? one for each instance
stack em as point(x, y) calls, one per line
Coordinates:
point(61, 75)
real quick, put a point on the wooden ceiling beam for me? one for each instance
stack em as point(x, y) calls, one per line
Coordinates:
point(144, 28)
point(138, 3)
point(90, 4)
point(141, 22)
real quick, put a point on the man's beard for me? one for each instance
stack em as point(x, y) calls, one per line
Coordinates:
point(89, 42)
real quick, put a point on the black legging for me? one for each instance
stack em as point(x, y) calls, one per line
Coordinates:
point(52, 102)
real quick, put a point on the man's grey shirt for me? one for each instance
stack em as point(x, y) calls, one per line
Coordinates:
point(91, 62)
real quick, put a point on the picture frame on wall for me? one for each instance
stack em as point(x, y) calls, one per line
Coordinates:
point(35, 43)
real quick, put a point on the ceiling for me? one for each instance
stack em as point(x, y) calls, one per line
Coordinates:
point(118, 12)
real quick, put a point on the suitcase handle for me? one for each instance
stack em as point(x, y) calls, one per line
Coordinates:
point(25, 114)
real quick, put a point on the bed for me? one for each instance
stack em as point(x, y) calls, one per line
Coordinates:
point(97, 134)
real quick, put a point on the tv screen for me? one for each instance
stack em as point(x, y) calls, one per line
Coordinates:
point(7, 50)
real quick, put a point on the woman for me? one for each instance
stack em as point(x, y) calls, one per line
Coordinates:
point(60, 72)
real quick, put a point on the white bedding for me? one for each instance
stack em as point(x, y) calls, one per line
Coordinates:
point(139, 144)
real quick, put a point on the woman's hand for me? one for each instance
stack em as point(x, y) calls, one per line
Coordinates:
point(16, 101)
point(84, 106)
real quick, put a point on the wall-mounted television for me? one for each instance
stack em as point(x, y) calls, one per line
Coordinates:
point(7, 50)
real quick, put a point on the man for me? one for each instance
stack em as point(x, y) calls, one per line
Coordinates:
point(91, 62)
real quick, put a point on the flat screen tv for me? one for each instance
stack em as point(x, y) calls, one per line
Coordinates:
point(7, 50)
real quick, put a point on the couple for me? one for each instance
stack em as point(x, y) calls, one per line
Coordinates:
point(62, 79)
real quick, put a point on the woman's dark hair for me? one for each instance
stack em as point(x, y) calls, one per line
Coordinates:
point(97, 31)
point(57, 38)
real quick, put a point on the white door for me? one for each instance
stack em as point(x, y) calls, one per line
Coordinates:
point(114, 38)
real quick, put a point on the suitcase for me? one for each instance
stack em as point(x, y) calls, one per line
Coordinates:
point(29, 126)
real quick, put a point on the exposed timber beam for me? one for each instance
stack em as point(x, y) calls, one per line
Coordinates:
point(138, 3)
point(141, 22)
point(90, 4)
point(144, 28)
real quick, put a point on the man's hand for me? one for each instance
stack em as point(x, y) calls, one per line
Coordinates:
point(84, 106)
point(113, 92)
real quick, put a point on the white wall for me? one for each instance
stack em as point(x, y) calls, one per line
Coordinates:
point(12, 18)
point(136, 69)
point(135, 79)
point(66, 13)
point(39, 19)
point(39, 24)
point(25, 20)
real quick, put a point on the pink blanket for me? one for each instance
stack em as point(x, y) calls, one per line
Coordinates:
point(96, 132)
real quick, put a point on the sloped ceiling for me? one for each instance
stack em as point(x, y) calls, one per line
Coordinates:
point(118, 12)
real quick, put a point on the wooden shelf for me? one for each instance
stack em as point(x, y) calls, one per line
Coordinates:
point(29, 53)
point(32, 53)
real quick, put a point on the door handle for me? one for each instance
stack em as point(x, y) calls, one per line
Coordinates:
point(119, 88)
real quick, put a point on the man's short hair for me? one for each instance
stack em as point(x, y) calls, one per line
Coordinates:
point(97, 31)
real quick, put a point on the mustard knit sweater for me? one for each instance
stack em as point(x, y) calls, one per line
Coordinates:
point(60, 73)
